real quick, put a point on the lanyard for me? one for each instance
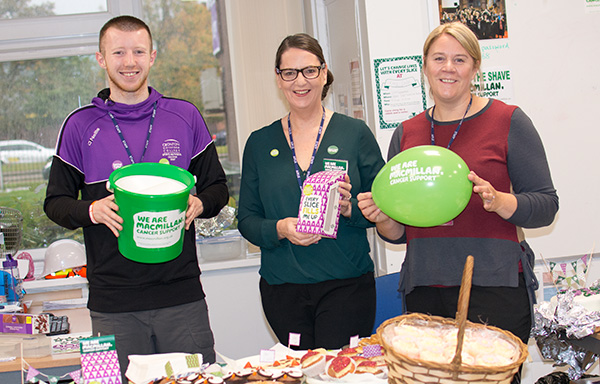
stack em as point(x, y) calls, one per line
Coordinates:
point(312, 159)
point(457, 128)
point(123, 138)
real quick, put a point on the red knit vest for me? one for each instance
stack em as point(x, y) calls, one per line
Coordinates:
point(482, 143)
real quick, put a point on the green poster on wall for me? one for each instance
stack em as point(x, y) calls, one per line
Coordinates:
point(400, 89)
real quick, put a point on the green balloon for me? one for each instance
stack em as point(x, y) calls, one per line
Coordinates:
point(423, 186)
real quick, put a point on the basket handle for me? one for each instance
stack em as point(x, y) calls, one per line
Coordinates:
point(461, 313)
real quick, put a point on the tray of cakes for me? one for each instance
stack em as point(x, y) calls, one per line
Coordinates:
point(361, 364)
point(181, 368)
point(348, 365)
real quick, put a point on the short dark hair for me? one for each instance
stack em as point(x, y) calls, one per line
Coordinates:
point(307, 43)
point(124, 23)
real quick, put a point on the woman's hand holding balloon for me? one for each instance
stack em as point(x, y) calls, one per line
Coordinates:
point(368, 208)
point(286, 229)
point(502, 203)
point(386, 226)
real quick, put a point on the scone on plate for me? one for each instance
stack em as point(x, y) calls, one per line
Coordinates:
point(341, 366)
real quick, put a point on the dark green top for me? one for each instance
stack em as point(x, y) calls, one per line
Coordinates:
point(270, 192)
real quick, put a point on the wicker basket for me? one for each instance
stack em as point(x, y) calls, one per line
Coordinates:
point(404, 369)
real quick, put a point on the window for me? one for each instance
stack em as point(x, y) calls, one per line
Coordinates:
point(48, 69)
point(24, 9)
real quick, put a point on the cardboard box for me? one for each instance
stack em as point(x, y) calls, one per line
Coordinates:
point(147, 368)
point(24, 323)
point(319, 211)
point(12, 345)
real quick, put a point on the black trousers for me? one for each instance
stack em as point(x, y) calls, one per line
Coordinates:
point(325, 314)
point(504, 307)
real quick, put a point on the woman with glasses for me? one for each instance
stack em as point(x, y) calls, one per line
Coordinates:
point(319, 288)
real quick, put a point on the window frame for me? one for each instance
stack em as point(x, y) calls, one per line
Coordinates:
point(57, 36)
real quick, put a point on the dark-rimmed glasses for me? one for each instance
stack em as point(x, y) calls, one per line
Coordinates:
point(310, 72)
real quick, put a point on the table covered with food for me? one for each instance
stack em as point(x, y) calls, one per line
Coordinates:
point(411, 348)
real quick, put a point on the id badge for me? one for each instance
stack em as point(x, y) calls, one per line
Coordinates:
point(335, 165)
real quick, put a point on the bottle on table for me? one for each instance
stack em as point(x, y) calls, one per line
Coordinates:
point(12, 285)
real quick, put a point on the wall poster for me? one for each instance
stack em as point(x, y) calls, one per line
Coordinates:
point(497, 84)
point(489, 24)
point(400, 89)
point(486, 21)
point(592, 6)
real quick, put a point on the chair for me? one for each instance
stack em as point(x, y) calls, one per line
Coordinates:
point(389, 300)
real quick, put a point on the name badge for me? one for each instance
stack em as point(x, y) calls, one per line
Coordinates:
point(335, 165)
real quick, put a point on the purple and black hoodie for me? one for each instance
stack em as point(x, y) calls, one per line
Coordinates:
point(88, 150)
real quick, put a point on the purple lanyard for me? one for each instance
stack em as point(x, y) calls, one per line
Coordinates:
point(312, 159)
point(123, 138)
point(457, 128)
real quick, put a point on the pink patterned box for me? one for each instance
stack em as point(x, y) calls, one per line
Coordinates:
point(320, 204)
point(99, 360)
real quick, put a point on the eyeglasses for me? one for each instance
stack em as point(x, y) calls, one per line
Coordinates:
point(310, 72)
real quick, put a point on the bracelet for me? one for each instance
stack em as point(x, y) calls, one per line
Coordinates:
point(92, 213)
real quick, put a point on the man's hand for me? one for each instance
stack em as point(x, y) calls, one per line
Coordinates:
point(104, 211)
point(195, 209)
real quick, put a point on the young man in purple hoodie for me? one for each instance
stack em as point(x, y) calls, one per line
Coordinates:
point(150, 308)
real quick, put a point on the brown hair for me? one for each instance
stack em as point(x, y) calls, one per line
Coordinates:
point(307, 43)
point(124, 23)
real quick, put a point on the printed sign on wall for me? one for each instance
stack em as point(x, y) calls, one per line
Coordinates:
point(400, 91)
point(496, 84)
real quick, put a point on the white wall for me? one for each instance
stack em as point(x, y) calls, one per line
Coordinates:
point(552, 58)
point(555, 58)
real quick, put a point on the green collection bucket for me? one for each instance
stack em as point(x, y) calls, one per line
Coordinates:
point(153, 210)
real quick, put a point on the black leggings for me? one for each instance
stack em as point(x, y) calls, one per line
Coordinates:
point(325, 314)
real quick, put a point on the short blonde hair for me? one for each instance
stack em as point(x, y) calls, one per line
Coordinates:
point(462, 34)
